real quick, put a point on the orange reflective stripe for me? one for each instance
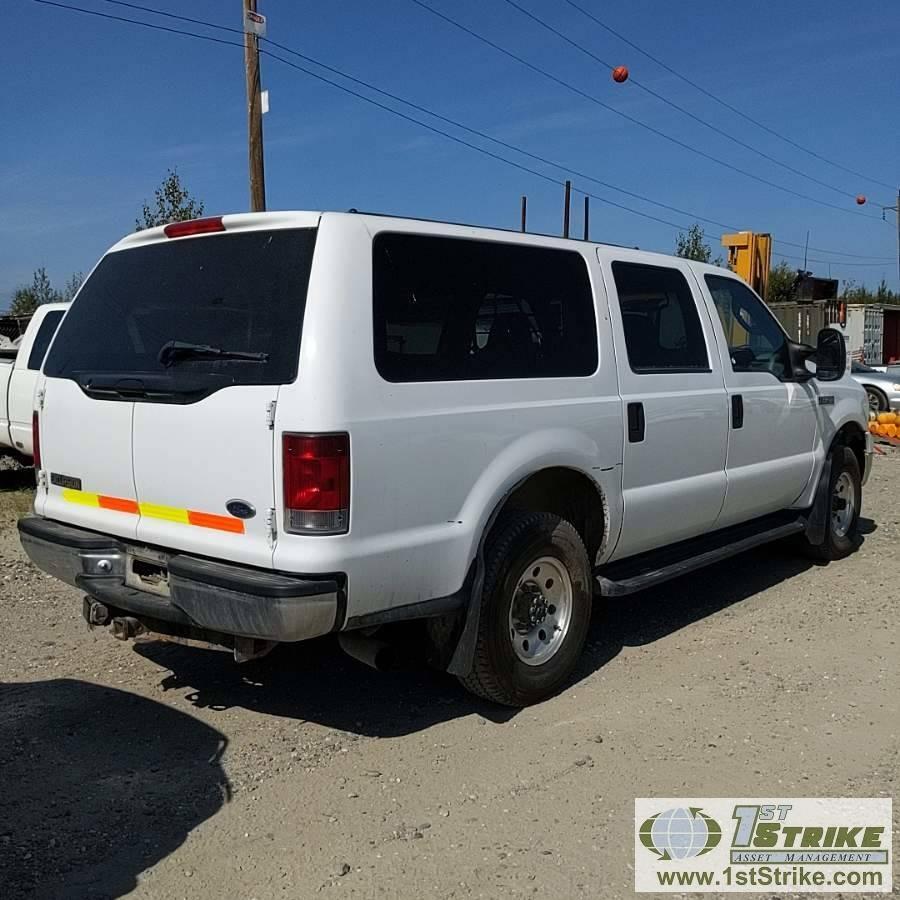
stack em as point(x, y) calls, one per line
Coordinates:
point(155, 511)
point(221, 523)
point(118, 504)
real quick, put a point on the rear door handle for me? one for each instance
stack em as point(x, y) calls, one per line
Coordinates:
point(737, 411)
point(635, 423)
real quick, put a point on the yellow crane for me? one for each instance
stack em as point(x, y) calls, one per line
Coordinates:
point(750, 256)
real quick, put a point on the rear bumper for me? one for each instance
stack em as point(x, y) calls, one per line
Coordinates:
point(219, 597)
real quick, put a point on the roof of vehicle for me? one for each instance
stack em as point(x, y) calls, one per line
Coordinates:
point(378, 221)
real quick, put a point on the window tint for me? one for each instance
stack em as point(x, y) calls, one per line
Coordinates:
point(448, 309)
point(659, 316)
point(756, 342)
point(244, 292)
point(42, 339)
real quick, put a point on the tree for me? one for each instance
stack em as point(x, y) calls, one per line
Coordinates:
point(691, 244)
point(782, 286)
point(171, 203)
point(72, 285)
point(27, 299)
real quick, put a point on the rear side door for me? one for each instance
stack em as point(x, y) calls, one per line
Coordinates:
point(674, 406)
point(773, 420)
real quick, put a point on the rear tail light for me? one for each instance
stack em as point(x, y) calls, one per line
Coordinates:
point(316, 483)
point(194, 226)
point(36, 440)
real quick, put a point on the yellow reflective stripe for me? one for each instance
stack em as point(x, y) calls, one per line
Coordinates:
point(82, 497)
point(169, 513)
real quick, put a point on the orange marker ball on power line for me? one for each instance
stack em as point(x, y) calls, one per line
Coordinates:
point(860, 199)
point(620, 74)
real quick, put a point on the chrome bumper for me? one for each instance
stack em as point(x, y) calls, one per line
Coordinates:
point(219, 597)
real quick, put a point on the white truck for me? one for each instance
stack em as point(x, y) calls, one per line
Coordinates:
point(19, 369)
point(264, 428)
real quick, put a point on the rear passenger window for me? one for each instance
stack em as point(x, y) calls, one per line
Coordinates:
point(42, 339)
point(660, 320)
point(451, 309)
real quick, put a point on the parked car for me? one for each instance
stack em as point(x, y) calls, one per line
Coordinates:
point(20, 363)
point(882, 387)
point(264, 428)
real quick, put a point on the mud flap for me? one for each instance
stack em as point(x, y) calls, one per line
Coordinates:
point(464, 655)
point(817, 521)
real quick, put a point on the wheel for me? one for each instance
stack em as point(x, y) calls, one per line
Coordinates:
point(535, 609)
point(877, 401)
point(845, 492)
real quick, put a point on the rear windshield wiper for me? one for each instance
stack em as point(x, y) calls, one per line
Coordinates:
point(174, 351)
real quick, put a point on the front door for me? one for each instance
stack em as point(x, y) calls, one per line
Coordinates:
point(772, 432)
point(674, 407)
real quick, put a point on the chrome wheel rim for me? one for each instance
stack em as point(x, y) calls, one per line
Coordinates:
point(843, 505)
point(540, 611)
point(874, 401)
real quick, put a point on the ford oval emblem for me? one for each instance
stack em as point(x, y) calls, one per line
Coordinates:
point(241, 509)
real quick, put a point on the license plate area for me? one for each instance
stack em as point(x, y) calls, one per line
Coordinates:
point(147, 570)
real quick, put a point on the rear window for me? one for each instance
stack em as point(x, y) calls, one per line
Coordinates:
point(451, 309)
point(240, 293)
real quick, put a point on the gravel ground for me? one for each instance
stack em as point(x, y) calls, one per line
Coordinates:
point(161, 771)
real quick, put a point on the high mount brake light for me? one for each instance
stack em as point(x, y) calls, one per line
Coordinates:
point(194, 226)
point(316, 471)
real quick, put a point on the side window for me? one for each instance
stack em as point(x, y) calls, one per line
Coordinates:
point(42, 339)
point(756, 342)
point(452, 309)
point(659, 315)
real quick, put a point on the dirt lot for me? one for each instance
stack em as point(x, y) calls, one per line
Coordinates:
point(170, 772)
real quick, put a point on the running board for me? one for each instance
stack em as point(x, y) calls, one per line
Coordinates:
point(645, 570)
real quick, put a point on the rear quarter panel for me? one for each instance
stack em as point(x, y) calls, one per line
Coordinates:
point(429, 462)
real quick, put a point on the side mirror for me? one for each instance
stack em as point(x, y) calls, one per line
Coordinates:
point(831, 355)
point(798, 354)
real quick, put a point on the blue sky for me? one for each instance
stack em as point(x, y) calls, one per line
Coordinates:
point(96, 111)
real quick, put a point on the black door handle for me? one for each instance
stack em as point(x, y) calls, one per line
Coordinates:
point(635, 423)
point(737, 411)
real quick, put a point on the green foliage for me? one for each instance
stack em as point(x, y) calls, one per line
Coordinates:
point(782, 286)
point(28, 298)
point(691, 244)
point(171, 203)
point(859, 293)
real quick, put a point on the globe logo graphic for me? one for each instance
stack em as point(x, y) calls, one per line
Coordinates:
point(680, 833)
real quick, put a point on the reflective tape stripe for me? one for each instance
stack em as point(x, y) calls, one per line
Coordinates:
point(155, 511)
point(118, 504)
point(82, 497)
point(222, 523)
point(169, 513)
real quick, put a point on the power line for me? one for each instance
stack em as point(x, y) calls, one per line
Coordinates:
point(635, 121)
point(476, 132)
point(632, 80)
point(720, 101)
point(395, 112)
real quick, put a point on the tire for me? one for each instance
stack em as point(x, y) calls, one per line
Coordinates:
point(841, 527)
point(877, 400)
point(537, 578)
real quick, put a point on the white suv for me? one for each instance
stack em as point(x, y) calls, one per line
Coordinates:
point(268, 427)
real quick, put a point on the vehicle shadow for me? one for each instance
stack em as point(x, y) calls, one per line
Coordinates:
point(315, 681)
point(98, 785)
point(16, 479)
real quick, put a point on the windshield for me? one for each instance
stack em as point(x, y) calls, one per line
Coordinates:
point(243, 293)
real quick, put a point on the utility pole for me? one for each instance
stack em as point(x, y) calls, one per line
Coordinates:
point(587, 217)
point(524, 211)
point(567, 204)
point(254, 114)
point(896, 209)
